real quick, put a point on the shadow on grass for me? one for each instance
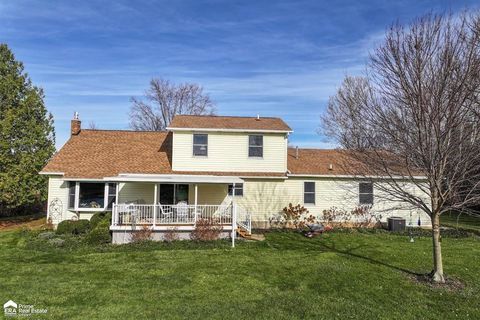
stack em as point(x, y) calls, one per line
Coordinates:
point(288, 240)
point(350, 253)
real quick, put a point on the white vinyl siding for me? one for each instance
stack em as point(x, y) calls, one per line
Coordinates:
point(228, 152)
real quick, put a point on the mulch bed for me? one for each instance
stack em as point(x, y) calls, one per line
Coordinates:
point(451, 283)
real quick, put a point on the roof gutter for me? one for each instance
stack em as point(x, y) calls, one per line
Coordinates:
point(229, 130)
point(174, 178)
point(356, 176)
point(46, 173)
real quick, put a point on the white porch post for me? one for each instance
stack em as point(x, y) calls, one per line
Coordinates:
point(114, 209)
point(155, 204)
point(117, 187)
point(234, 223)
point(196, 202)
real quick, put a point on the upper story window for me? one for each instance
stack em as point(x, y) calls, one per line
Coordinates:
point(365, 193)
point(309, 192)
point(255, 146)
point(200, 144)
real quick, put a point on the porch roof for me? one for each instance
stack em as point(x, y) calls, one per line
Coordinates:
point(174, 178)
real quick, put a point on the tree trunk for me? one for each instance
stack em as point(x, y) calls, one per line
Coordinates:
point(437, 274)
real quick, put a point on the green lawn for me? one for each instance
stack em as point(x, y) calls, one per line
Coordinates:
point(462, 221)
point(339, 275)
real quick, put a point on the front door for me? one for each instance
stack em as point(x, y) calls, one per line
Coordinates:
point(173, 193)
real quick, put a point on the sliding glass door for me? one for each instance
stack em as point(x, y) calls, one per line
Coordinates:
point(173, 193)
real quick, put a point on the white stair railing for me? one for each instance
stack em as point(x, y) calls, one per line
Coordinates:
point(244, 219)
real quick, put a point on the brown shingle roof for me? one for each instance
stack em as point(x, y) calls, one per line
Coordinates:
point(101, 153)
point(95, 154)
point(224, 122)
point(342, 162)
point(316, 162)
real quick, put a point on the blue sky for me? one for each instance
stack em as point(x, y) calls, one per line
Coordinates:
point(274, 58)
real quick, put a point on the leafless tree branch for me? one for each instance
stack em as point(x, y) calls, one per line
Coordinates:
point(163, 100)
point(416, 113)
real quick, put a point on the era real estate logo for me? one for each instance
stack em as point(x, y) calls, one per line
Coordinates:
point(12, 309)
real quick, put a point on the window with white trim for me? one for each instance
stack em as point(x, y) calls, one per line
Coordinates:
point(255, 146)
point(71, 195)
point(309, 192)
point(237, 188)
point(200, 145)
point(111, 194)
point(365, 193)
point(91, 195)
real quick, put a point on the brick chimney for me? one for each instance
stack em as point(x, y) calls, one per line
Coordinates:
point(75, 125)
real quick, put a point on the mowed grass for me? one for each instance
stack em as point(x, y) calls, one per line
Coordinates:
point(461, 220)
point(335, 276)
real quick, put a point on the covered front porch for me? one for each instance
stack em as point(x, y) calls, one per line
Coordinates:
point(177, 202)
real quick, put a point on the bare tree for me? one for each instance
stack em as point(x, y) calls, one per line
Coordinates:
point(414, 117)
point(92, 125)
point(163, 100)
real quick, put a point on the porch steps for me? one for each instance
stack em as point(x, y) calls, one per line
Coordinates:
point(248, 236)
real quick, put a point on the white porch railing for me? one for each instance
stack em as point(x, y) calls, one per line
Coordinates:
point(149, 214)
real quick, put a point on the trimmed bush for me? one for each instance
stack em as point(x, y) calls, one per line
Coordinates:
point(101, 233)
point(73, 227)
point(96, 218)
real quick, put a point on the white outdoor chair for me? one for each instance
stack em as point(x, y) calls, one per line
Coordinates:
point(182, 211)
point(166, 213)
point(127, 213)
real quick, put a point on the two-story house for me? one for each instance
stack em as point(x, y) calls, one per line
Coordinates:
point(237, 170)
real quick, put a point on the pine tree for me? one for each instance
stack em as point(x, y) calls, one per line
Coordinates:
point(27, 138)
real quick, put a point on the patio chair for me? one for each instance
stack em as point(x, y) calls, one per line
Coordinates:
point(166, 213)
point(182, 211)
point(127, 213)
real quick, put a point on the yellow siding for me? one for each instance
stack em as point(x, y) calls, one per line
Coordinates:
point(142, 193)
point(228, 152)
point(266, 198)
point(58, 190)
point(263, 198)
point(208, 194)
